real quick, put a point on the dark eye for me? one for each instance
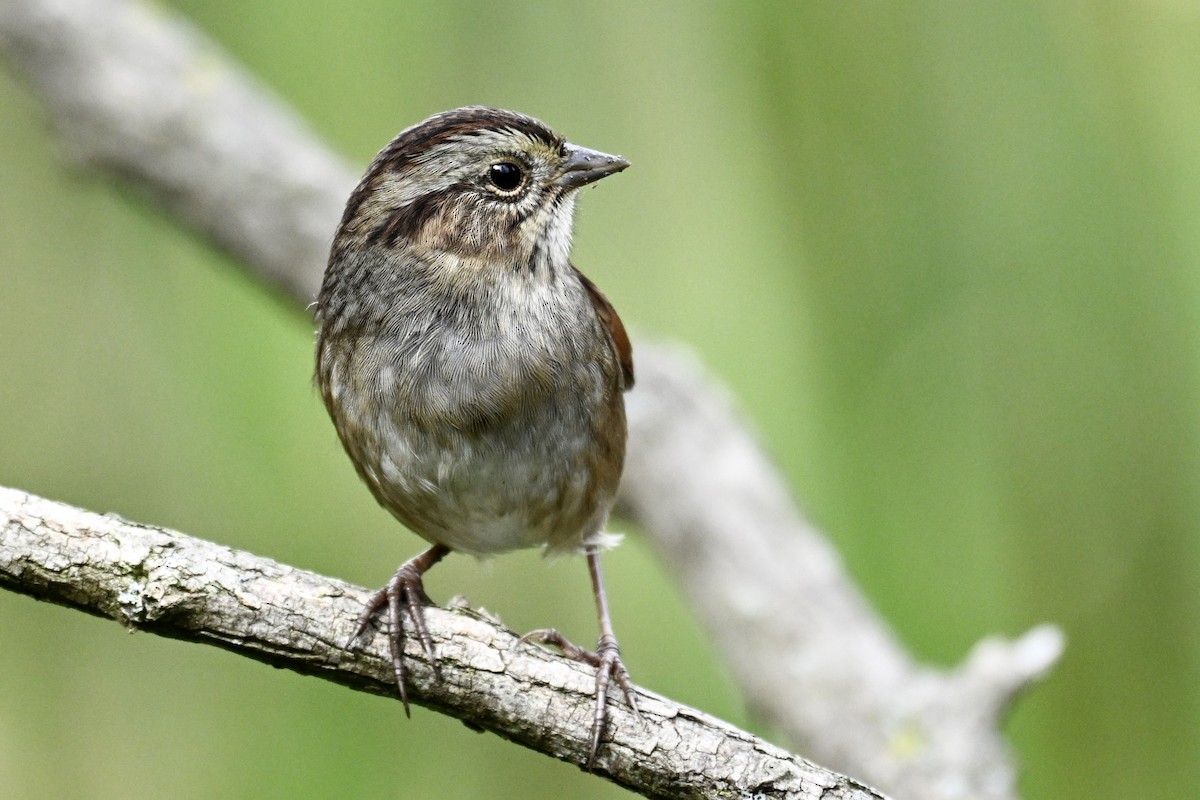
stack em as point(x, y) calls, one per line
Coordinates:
point(506, 176)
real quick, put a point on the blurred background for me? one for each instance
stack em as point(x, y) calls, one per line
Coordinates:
point(947, 256)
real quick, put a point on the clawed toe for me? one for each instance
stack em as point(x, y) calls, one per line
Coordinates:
point(552, 637)
point(609, 667)
point(406, 590)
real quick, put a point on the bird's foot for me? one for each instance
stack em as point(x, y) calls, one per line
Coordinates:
point(609, 667)
point(405, 590)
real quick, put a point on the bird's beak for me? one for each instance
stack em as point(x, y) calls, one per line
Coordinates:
point(584, 166)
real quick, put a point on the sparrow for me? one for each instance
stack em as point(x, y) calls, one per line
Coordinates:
point(475, 377)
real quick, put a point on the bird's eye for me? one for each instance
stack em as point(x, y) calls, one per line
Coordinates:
point(506, 176)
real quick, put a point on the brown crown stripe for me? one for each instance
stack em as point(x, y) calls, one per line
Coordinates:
point(412, 142)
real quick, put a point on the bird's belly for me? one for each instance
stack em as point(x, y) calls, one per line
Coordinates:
point(490, 437)
point(491, 493)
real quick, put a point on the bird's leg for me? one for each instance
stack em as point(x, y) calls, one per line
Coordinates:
point(405, 590)
point(606, 659)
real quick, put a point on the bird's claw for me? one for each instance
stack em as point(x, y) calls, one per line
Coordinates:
point(405, 590)
point(609, 667)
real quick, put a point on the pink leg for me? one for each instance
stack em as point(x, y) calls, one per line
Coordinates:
point(405, 590)
point(606, 659)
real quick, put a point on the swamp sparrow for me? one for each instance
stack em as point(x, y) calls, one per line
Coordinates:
point(473, 374)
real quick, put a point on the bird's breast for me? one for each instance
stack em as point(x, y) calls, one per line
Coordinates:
point(485, 424)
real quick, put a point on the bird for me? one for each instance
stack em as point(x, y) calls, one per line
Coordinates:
point(474, 375)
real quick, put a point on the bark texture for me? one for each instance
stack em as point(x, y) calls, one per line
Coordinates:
point(160, 581)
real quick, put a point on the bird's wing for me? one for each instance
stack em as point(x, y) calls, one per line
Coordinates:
point(616, 330)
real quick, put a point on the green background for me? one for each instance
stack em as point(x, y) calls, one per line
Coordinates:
point(947, 256)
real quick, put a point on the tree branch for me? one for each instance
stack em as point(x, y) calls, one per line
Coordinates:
point(808, 651)
point(147, 97)
point(160, 581)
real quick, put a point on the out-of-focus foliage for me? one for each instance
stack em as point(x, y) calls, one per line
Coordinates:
point(946, 255)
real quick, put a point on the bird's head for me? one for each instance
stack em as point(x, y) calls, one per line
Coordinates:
point(484, 185)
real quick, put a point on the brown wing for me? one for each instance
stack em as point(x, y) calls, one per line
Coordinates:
point(616, 330)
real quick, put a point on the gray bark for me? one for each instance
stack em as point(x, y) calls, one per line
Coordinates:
point(160, 581)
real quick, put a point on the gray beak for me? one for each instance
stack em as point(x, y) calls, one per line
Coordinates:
point(585, 166)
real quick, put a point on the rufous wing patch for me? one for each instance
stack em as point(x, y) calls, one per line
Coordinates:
point(616, 329)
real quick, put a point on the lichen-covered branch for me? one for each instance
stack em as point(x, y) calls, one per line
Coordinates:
point(146, 97)
point(160, 581)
